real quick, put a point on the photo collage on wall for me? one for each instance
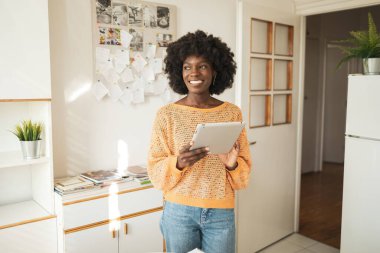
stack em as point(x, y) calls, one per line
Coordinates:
point(130, 40)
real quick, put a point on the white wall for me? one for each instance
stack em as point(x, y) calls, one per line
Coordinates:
point(87, 132)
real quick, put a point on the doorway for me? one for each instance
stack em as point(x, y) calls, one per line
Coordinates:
point(324, 121)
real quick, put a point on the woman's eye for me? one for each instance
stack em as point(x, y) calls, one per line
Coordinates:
point(186, 68)
point(203, 67)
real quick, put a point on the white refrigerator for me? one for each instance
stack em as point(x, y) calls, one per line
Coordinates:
point(361, 186)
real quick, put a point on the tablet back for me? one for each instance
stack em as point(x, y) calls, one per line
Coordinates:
point(219, 137)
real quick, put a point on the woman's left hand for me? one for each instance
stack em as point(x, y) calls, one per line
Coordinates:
point(230, 159)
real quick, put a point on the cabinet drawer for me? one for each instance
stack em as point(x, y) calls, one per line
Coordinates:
point(110, 207)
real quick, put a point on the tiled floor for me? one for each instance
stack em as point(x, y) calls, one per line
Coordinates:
point(297, 243)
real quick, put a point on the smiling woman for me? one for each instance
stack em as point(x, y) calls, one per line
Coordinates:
point(199, 187)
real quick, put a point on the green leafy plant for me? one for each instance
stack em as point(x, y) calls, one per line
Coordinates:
point(363, 44)
point(28, 131)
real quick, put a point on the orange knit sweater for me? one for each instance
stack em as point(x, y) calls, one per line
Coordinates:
point(206, 184)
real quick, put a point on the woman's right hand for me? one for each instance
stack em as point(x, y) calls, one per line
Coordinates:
point(188, 157)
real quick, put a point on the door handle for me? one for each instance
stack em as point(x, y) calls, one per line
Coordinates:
point(252, 143)
point(113, 233)
point(126, 228)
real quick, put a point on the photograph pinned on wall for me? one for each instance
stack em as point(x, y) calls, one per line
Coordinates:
point(163, 17)
point(135, 14)
point(150, 16)
point(137, 42)
point(163, 39)
point(119, 13)
point(103, 11)
point(109, 36)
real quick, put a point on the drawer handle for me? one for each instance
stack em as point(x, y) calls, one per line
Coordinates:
point(126, 228)
point(113, 233)
point(252, 143)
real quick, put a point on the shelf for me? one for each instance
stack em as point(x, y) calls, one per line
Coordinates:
point(22, 213)
point(15, 159)
point(26, 100)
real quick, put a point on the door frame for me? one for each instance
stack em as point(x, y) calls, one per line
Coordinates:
point(304, 9)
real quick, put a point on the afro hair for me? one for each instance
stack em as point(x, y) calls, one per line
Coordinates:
point(200, 44)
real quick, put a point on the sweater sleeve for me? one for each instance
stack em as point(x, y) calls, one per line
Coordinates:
point(239, 177)
point(162, 163)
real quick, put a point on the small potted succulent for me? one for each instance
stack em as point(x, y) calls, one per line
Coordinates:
point(29, 134)
point(364, 45)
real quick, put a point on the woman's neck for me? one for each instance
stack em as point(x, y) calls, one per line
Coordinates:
point(200, 101)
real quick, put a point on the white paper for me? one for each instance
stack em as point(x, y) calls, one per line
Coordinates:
point(139, 62)
point(122, 57)
point(138, 96)
point(160, 84)
point(138, 83)
point(99, 90)
point(127, 75)
point(104, 67)
point(148, 74)
point(150, 51)
point(126, 38)
point(115, 92)
point(102, 54)
point(127, 97)
point(166, 96)
point(149, 88)
point(112, 76)
point(156, 65)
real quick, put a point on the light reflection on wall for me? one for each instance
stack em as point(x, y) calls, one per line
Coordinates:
point(123, 158)
point(73, 94)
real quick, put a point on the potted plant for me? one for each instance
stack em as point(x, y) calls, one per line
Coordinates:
point(364, 45)
point(29, 134)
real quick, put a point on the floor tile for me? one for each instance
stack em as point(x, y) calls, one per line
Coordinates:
point(305, 251)
point(301, 240)
point(283, 247)
point(322, 248)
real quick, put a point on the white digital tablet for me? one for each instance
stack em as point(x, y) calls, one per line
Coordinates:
point(219, 137)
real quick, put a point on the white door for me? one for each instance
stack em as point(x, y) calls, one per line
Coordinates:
point(268, 75)
point(141, 234)
point(95, 240)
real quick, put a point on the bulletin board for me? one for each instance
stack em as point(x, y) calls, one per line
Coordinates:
point(130, 40)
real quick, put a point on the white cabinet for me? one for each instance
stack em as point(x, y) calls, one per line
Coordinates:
point(27, 220)
point(33, 237)
point(95, 240)
point(112, 220)
point(141, 234)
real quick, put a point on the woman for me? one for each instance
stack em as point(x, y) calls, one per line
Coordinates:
point(198, 187)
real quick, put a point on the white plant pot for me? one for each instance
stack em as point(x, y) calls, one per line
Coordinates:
point(371, 66)
point(30, 149)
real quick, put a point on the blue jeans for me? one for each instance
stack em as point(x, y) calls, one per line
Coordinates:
point(185, 228)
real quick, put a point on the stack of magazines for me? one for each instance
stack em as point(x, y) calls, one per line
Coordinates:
point(102, 177)
point(139, 173)
point(70, 185)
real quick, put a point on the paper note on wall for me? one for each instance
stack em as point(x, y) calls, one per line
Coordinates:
point(126, 38)
point(127, 97)
point(156, 65)
point(150, 51)
point(148, 74)
point(99, 90)
point(102, 54)
point(139, 62)
point(115, 92)
point(138, 95)
point(127, 75)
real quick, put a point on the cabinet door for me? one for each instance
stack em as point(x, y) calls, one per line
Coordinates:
point(38, 237)
point(95, 240)
point(141, 234)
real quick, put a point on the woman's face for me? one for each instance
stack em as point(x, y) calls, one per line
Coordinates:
point(197, 73)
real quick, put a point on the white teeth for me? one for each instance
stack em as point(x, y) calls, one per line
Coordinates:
point(195, 82)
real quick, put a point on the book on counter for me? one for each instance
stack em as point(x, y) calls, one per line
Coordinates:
point(102, 176)
point(142, 180)
point(69, 185)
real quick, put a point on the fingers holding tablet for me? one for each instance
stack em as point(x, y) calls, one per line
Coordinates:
point(188, 157)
